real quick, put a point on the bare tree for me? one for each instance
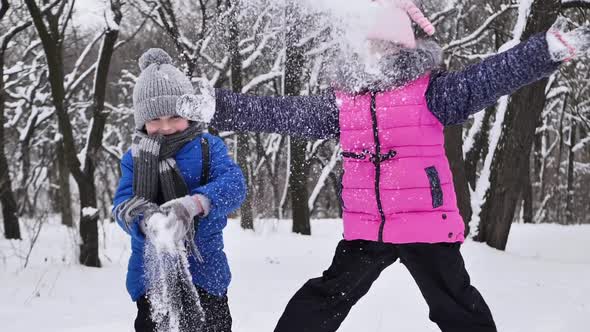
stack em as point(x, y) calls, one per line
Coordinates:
point(514, 147)
point(7, 197)
point(469, 39)
point(246, 213)
point(52, 34)
point(298, 177)
point(9, 207)
point(51, 27)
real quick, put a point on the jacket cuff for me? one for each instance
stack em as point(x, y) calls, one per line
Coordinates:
point(205, 204)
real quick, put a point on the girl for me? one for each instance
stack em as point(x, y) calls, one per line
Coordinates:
point(397, 190)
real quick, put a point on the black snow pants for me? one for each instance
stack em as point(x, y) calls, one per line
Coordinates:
point(216, 308)
point(438, 269)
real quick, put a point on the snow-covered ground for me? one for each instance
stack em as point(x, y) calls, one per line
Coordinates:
point(541, 283)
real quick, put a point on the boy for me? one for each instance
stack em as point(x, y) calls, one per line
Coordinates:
point(177, 185)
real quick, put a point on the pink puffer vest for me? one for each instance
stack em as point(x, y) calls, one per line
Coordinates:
point(397, 185)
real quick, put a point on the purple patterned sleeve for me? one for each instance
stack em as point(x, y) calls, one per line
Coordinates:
point(453, 96)
point(310, 117)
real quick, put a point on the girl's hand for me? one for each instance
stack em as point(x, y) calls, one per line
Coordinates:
point(199, 107)
point(566, 45)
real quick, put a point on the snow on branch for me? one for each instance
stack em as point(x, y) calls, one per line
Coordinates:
point(110, 17)
point(6, 37)
point(260, 79)
point(275, 72)
point(79, 80)
point(323, 177)
point(258, 51)
point(70, 78)
point(581, 144)
point(477, 33)
point(440, 16)
point(557, 92)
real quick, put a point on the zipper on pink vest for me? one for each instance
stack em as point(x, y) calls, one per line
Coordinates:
point(377, 162)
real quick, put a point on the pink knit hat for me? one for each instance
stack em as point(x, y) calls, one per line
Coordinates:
point(392, 22)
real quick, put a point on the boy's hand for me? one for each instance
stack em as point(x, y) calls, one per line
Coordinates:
point(184, 208)
point(566, 45)
point(135, 207)
point(199, 107)
point(176, 223)
point(150, 225)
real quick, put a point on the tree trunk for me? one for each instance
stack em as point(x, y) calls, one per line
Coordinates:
point(538, 162)
point(514, 148)
point(89, 215)
point(569, 194)
point(64, 195)
point(88, 224)
point(246, 213)
point(527, 196)
point(298, 178)
point(479, 149)
point(243, 148)
point(454, 150)
point(9, 206)
point(21, 192)
point(298, 187)
point(562, 142)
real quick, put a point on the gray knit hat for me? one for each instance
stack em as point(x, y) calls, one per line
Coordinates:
point(158, 88)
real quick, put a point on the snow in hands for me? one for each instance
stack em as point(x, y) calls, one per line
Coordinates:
point(168, 277)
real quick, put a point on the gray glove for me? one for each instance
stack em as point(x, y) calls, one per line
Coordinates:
point(181, 213)
point(185, 208)
point(565, 45)
point(131, 209)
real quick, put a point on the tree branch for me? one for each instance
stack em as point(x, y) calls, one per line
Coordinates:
point(37, 16)
point(5, 39)
point(68, 18)
point(3, 8)
point(477, 33)
point(568, 4)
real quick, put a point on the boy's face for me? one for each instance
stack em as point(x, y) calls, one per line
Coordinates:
point(166, 125)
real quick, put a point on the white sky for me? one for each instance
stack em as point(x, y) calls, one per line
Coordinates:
point(89, 13)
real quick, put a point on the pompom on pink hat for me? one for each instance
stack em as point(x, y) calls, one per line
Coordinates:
point(392, 22)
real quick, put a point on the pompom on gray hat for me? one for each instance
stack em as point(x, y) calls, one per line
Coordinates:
point(158, 88)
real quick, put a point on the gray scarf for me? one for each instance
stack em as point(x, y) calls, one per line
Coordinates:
point(154, 166)
point(397, 67)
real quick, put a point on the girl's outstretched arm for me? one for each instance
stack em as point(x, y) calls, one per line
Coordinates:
point(453, 96)
point(312, 117)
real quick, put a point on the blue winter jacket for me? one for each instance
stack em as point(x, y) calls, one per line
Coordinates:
point(225, 189)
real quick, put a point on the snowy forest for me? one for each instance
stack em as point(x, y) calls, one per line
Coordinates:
point(66, 109)
point(68, 67)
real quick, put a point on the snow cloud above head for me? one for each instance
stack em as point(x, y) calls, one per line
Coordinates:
point(352, 19)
